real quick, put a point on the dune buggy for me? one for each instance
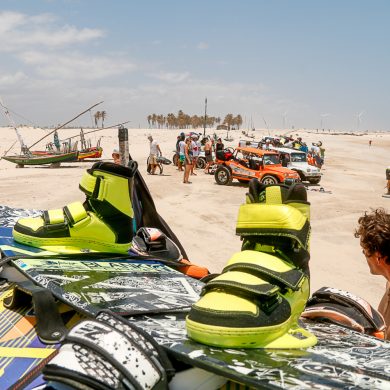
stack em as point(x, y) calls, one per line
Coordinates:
point(246, 163)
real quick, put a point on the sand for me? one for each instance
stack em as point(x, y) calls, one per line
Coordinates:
point(203, 214)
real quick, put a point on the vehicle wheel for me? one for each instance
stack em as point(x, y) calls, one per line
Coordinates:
point(268, 179)
point(212, 168)
point(223, 176)
point(201, 163)
point(175, 159)
point(314, 181)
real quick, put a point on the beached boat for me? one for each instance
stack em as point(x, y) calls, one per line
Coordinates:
point(94, 152)
point(22, 160)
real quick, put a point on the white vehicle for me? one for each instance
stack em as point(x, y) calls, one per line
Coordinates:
point(297, 161)
point(201, 162)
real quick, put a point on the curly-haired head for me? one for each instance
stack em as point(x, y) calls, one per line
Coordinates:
point(374, 232)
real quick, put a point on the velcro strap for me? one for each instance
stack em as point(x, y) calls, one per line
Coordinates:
point(259, 291)
point(291, 279)
point(273, 195)
point(90, 184)
point(49, 324)
point(53, 217)
point(75, 212)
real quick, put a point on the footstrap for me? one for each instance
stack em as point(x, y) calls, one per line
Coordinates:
point(50, 326)
point(109, 353)
point(291, 279)
point(273, 220)
point(343, 307)
point(259, 291)
point(71, 214)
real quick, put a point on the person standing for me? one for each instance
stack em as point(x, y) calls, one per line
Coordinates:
point(195, 152)
point(374, 233)
point(155, 151)
point(116, 156)
point(208, 152)
point(180, 149)
point(187, 160)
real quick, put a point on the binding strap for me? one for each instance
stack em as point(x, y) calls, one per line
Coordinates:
point(68, 215)
point(259, 291)
point(90, 184)
point(49, 326)
point(109, 353)
point(291, 279)
point(346, 308)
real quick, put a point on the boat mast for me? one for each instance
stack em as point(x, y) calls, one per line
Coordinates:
point(6, 113)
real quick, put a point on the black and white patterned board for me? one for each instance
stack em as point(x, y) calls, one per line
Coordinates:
point(342, 359)
point(123, 286)
point(9, 215)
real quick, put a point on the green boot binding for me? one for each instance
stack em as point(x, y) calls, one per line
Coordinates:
point(104, 222)
point(257, 299)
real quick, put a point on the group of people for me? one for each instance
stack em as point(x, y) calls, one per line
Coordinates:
point(373, 228)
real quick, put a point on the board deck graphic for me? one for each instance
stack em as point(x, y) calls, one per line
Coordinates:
point(341, 359)
point(20, 348)
point(123, 286)
point(9, 215)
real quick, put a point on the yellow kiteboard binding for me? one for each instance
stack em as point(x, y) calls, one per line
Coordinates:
point(104, 222)
point(257, 299)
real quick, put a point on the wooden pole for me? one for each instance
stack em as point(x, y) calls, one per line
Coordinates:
point(104, 128)
point(61, 126)
point(123, 136)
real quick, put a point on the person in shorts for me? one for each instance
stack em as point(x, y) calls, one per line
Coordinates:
point(155, 151)
point(208, 152)
point(187, 161)
point(181, 147)
point(195, 145)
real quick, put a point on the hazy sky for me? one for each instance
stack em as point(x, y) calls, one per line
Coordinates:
point(298, 62)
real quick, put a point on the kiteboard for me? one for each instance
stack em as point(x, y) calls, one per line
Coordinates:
point(342, 358)
point(22, 354)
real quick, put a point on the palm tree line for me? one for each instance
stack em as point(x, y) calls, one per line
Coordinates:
point(99, 116)
point(185, 121)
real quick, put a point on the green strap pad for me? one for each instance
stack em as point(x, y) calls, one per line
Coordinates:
point(258, 219)
point(53, 217)
point(291, 279)
point(260, 291)
point(88, 183)
point(75, 212)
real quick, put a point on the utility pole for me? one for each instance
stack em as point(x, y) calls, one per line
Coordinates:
point(205, 117)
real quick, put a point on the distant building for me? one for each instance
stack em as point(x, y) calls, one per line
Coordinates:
point(222, 127)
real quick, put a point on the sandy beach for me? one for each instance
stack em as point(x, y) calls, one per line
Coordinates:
point(203, 214)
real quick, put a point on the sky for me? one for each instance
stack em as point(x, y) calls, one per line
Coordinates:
point(280, 63)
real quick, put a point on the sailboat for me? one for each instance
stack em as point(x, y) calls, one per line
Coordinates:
point(28, 157)
point(87, 150)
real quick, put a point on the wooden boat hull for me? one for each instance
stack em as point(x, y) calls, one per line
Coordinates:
point(92, 153)
point(42, 159)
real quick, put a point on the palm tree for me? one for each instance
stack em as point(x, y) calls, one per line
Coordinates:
point(228, 120)
point(97, 117)
point(103, 116)
point(149, 118)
